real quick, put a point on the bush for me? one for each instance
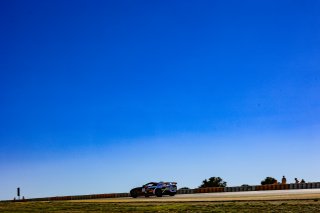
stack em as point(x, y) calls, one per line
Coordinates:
point(213, 182)
point(268, 180)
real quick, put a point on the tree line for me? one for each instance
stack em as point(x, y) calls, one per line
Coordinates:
point(219, 182)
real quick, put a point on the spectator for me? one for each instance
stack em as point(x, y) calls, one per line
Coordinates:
point(284, 180)
point(303, 181)
point(297, 181)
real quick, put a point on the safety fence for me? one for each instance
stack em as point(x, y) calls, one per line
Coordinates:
point(313, 185)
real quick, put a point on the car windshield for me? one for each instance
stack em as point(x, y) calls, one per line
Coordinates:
point(151, 184)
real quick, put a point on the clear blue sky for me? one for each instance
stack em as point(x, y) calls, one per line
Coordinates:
point(103, 96)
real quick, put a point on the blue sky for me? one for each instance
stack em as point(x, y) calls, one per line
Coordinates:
point(102, 96)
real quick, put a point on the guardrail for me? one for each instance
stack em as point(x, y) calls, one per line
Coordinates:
point(313, 185)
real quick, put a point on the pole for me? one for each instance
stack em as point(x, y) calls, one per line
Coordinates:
point(18, 192)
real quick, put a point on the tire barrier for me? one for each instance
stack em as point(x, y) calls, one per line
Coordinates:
point(239, 189)
point(256, 188)
point(209, 190)
point(185, 191)
point(272, 187)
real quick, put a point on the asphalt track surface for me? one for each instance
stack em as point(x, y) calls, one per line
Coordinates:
point(304, 194)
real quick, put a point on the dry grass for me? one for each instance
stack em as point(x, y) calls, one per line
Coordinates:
point(227, 206)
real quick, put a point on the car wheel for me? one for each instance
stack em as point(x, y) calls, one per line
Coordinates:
point(158, 193)
point(172, 194)
point(134, 194)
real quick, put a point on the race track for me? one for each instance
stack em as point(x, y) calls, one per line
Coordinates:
point(222, 196)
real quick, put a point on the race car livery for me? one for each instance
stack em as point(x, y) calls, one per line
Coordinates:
point(155, 188)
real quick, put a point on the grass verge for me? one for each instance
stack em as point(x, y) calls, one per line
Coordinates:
point(247, 206)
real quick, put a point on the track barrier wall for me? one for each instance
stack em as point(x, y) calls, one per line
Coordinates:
point(313, 185)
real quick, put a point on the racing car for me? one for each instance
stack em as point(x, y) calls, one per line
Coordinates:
point(155, 188)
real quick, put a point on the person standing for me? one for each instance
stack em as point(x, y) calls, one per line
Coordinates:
point(283, 180)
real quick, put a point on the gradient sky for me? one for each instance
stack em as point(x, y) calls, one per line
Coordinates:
point(103, 96)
